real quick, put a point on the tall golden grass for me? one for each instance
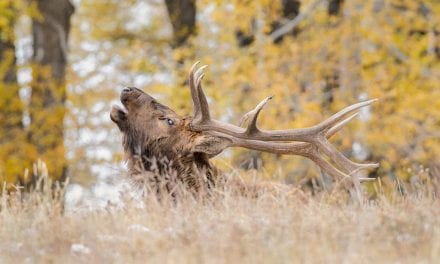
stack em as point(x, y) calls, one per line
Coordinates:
point(280, 225)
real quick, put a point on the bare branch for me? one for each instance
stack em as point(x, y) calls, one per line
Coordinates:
point(289, 26)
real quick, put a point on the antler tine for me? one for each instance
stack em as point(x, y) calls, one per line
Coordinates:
point(200, 103)
point(199, 71)
point(336, 118)
point(349, 166)
point(367, 179)
point(203, 102)
point(193, 67)
point(193, 87)
point(340, 125)
point(253, 116)
point(329, 150)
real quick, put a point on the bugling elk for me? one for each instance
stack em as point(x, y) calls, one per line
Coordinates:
point(158, 142)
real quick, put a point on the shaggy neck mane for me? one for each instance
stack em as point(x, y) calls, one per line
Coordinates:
point(161, 157)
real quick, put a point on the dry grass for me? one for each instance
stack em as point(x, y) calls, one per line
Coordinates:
point(277, 227)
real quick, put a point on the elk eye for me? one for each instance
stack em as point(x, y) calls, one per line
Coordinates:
point(170, 122)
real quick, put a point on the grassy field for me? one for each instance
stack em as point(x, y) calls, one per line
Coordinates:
point(279, 226)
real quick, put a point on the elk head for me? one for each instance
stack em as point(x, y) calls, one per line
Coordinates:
point(157, 139)
point(152, 130)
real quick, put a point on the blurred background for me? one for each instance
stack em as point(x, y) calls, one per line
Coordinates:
point(63, 64)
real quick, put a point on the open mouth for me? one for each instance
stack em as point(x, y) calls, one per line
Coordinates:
point(119, 109)
point(118, 113)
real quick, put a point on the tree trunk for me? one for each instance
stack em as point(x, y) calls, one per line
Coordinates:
point(182, 15)
point(12, 137)
point(332, 78)
point(334, 7)
point(289, 10)
point(50, 33)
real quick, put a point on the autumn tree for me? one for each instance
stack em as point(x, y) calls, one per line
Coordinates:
point(334, 7)
point(12, 137)
point(182, 14)
point(50, 31)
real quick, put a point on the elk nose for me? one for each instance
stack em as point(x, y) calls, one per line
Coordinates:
point(126, 90)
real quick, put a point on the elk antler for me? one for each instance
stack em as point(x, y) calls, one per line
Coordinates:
point(313, 140)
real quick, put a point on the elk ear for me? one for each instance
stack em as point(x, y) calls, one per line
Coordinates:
point(211, 145)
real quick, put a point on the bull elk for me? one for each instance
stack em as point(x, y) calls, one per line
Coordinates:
point(158, 140)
